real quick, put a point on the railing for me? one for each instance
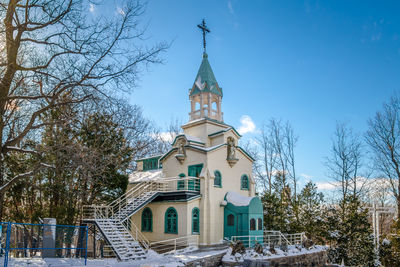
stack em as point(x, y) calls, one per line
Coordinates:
point(175, 244)
point(165, 185)
point(270, 238)
point(137, 234)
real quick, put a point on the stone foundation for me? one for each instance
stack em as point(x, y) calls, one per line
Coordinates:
point(211, 261)
point(316, 259)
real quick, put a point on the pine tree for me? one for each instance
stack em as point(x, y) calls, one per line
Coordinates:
point(350, 235)
point(310, 212)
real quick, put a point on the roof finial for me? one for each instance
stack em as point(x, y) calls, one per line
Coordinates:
point(205, 30)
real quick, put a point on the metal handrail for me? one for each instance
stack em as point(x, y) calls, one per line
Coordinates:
point(172, 245)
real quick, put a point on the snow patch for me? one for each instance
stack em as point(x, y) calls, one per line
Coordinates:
point(237, 199)
point(141, 176)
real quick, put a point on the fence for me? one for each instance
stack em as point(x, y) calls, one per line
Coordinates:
point(270, 238)
point(28, 240)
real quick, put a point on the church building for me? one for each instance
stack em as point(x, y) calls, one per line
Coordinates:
point(204, 182)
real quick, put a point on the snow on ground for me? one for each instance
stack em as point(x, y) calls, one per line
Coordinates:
point(251, 254)
point(153, 260)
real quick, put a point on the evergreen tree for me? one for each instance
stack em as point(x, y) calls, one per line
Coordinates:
point(310, 212)
point(350, 234)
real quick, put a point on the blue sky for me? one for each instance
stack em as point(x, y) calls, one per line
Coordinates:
point(310, 62)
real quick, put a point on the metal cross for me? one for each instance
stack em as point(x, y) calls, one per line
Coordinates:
point(205, 30)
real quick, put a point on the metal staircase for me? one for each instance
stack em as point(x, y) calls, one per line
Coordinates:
point(112, 219)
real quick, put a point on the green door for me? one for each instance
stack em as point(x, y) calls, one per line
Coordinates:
point(194, 171)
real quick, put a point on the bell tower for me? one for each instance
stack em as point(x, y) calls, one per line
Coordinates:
point(205, 95)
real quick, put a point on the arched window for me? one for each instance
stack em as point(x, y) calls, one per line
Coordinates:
point(171, 221)
point(231, 220)
point(195, 221)
point(147, 220)
point(252, 224)
point(217, 179)
point(259, 224)
point(181, 184)
point(244, 183)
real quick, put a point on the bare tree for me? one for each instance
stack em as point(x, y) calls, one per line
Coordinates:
point(345, 162)
point(55, 55)
point(277, 142)
point(383, 136)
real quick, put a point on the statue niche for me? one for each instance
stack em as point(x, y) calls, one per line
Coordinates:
point(231, 152)
point(181, 153)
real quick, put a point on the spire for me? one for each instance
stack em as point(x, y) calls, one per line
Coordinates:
point(205, 80)
point(205, 95)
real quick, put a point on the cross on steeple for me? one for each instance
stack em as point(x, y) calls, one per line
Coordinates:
point(205, 30)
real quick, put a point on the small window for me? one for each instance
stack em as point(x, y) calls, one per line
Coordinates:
point(195, 221)
point(244, 183)
point(259, 224)
point(231, 220)
point(252, 224)
point(147, 220)
point(171, 221)
point(181, 184)
point(217, 179)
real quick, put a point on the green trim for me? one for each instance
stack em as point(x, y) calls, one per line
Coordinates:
point(196, 168)
point(217, 179)
point(247, 154)
point(195, 221)
point(242, 181)
point(181, 200)
point(190, 141)
point(169, 152)
point(147, 220)
point(181, 184)
point(226, 130)
point(171, 221)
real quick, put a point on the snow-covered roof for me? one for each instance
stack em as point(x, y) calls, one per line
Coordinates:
point(142, 176)
point(237, 199)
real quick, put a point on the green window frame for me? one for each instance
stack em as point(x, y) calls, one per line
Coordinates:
point(194, 171)
point(252, 224)
point(244, 182)
point(260, 226)
point(195, 221)
point(217, 179)
point(171, 221)
point(230, 220)
point(181, 184)
point(147, 220)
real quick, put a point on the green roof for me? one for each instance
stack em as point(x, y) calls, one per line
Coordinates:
point(205, 80)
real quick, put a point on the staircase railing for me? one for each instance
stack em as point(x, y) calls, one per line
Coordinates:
point(175, 244)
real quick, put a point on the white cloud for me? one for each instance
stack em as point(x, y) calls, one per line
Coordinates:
point(230, 8)
point(247, 125)
point(91, 8)
point(120, 11)
point(306, 176)
point(326, 185)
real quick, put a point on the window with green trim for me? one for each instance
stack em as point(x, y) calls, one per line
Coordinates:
point(231, 220)
point(147, 220)
point(171, 221)
point(181, 184)
point(217, 179)
point(195, 221)
point(244, 182)
point(252, 224)
point(260, 224)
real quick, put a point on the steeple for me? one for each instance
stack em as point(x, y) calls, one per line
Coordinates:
point(205, 95)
